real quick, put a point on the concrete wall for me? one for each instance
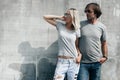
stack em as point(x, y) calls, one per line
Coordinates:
point(28, 44)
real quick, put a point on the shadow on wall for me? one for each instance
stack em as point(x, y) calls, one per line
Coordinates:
point(118, 54)
point(45, 69)
point(39, 63)
point(47, 62)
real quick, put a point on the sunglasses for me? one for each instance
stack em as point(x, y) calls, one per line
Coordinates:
point(66, 14)
point(88, 11)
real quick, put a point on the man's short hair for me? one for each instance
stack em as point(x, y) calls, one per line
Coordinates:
point(96, 9)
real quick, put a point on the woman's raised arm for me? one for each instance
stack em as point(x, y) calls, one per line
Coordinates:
point(52, 19)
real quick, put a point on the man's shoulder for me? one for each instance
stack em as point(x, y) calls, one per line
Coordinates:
point(83, 23)
point(101, 24)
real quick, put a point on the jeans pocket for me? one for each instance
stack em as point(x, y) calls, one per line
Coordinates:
point(100, 63)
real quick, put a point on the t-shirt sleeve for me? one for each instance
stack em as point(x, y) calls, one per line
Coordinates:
point(78, 33)
point(104, 34)
point(58, 23)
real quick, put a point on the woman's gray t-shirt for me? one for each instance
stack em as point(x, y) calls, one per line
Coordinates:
point(66, 40)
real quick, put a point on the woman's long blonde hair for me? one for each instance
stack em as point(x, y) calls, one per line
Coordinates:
point(75, 18)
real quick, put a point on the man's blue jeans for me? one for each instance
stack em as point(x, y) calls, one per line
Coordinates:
point(89, 71)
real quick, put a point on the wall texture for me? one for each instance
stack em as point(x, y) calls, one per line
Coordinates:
point(28, 44)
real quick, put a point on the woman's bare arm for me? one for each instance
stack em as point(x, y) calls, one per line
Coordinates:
point(52, 19)
point(78, 59)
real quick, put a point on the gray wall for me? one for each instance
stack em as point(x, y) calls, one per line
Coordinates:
point(28, 44)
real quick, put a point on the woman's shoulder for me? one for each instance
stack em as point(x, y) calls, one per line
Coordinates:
point(60, 22)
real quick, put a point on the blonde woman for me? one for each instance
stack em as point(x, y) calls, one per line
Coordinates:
point(69, 55)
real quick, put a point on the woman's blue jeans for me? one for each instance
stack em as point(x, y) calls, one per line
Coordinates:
point(66, 66)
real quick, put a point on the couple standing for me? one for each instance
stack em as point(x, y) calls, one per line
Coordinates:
point(82, 45)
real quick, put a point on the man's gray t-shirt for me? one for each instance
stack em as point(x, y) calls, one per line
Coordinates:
point(90, 41)
point(66, 40)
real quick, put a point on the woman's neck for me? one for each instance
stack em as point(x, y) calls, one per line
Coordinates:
point(69, 26)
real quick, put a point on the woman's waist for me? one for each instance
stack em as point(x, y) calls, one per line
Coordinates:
point(65, 57)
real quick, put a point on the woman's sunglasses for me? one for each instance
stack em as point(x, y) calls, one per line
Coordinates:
point(66, 14)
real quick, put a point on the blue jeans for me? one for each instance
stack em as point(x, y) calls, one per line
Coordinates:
point(89, 71)
point(66, 66)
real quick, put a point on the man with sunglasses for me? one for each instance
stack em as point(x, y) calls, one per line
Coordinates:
point(92, 44)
